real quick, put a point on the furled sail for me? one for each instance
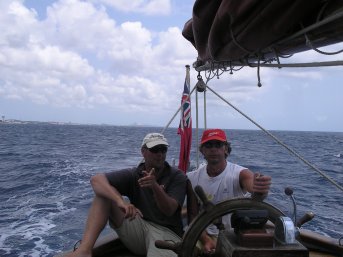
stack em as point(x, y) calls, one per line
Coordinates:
point(248, 31)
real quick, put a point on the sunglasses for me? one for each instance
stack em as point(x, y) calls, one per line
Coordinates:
point(211, 144)
point(158, 149)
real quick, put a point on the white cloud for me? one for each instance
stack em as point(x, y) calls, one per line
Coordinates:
point(77, 55)
point(78, 26)
point(42, 75)
point(129, 46)
point(148, 7)
point(81, 58)
point(17, 24)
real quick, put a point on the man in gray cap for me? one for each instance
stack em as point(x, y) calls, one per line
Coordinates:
point(156, 192)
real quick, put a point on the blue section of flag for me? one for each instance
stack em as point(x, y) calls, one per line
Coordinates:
point(185, 127)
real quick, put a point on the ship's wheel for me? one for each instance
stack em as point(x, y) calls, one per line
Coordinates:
point(212, 213)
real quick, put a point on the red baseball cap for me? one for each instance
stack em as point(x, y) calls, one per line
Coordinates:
point(213, 134)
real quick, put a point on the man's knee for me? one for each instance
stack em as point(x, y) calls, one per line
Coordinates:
point(116, 215)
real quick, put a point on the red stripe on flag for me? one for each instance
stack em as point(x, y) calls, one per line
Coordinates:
point(185, 127)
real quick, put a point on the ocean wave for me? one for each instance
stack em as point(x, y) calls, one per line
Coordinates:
point(45, 191)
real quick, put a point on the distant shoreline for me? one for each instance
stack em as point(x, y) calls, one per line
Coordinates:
point(14, 121)
point(22, 122)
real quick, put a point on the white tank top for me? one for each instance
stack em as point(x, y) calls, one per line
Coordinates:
point(222, 187)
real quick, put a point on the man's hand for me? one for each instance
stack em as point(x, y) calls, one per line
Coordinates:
point(208, 243)
point(130, 211)
point(149, 179)
point(261, 184)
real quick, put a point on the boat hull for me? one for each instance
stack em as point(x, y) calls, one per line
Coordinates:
point(321, 246)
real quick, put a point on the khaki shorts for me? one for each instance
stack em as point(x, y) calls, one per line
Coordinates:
point(139, 237)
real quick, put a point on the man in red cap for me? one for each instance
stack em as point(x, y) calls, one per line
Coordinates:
point(223, 180)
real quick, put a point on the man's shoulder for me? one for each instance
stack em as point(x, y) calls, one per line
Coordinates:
point(233, 167)
point(175, 172)
point(196, 172)
point(175, 177)
point(121, 172)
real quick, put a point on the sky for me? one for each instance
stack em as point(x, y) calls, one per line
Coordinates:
point(123, 63)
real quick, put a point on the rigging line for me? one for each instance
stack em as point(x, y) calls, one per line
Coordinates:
point(171, 120)
point(235, 41)
point(309, 43)
point(329, 19)
point(279, 141)
point(277, 58)
point(208, 67)
point(197, 124)
point(301, 65)
point(258, 72)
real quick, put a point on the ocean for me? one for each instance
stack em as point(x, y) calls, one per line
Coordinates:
point(45, 170)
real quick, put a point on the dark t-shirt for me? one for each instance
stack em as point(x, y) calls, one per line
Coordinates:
point(174, 183)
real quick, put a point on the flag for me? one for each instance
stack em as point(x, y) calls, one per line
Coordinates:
point(185, 127)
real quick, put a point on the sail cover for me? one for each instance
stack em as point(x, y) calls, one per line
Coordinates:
point(247, 30)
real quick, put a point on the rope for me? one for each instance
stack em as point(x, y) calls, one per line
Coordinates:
point(280, 142)
point(197, 126)
point(308, 42)
point(329, 19)
point(235, 41)
point(258, 73)
point(171, 120)
point(208, 67)
point(301, 65)
point(264, 130)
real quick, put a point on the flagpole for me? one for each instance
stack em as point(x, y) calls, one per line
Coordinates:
point(178, 110)
point(197, 125)
point(185, 125)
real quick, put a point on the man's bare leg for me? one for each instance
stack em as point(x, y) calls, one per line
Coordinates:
point(97, 219)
